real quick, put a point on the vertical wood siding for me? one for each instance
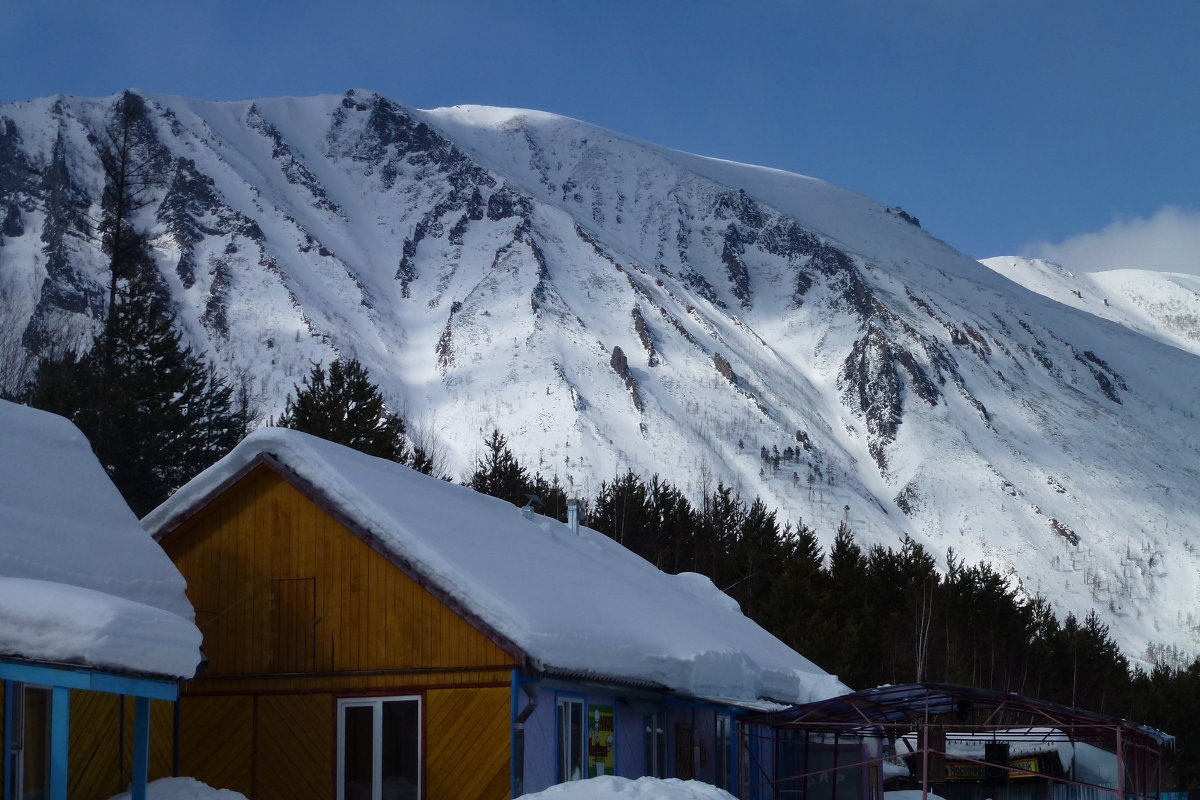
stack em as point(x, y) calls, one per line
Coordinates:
point(280, 586)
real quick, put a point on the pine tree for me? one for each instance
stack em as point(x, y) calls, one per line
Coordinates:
point(345, 407)
point(154, 413)
point(499, 474)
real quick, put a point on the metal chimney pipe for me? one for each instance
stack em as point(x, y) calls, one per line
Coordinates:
point(573, 516)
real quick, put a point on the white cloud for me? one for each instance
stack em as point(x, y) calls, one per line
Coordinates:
point(1168, 241)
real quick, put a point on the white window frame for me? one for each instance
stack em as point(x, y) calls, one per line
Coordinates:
point(656, 733)
point(376, 704)
point(14, 767)
point(560, 746)
point(723, 744)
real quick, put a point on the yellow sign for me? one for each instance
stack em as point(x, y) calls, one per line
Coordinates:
point(602, 751)
point(967, 771)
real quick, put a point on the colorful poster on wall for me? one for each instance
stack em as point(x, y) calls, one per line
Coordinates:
point(602, 751)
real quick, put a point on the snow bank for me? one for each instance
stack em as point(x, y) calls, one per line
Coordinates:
point(911, 794)
point(613, 788)
point(80, 581)
point(182, 789)
point(578, 603)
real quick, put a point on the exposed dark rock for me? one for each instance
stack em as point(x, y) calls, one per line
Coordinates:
point(904, 215)
point(723, 367)
point(216, 307)
point(741, 207)
point(445, 342)
point(645, 336)
point(735, 268)
point(1064, 531)
point(475, 207)
point(65, 289)
point(908, 500)
point(1106, 377)
point(12, 227)
point(191, 210)
point(620, 365)
point(702, 287)
point(507, 203)
point(872, 380)
point(406, 272)
point(460, 228)
point(296, 172)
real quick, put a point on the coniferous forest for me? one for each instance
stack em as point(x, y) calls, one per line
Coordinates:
point(877, 615)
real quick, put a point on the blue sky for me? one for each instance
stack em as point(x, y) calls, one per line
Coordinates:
point(1006, 126)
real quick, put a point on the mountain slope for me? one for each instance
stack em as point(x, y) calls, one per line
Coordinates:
point(610, 304)
point(1162, 305)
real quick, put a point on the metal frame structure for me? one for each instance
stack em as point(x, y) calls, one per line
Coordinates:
point(60, 680)
point(927, 714)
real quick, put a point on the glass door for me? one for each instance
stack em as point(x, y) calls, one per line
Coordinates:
point(379, 748)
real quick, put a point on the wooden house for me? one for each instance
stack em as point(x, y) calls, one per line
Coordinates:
point(94, 623)
point(371, 632)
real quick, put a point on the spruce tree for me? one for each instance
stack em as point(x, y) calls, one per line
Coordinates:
point(345, 407)
point(498, 473)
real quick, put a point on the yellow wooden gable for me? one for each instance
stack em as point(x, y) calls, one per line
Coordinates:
point(298, 610)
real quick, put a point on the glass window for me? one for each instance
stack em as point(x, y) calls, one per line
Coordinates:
point(656, 745)
point(379, 749)
point(724, 748)
point(572, 739)
point(27, 764)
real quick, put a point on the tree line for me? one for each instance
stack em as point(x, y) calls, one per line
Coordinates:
point(876, 615)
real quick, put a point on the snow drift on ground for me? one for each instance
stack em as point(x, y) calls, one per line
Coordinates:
point(609, 787)
point(578, 603)
point(80, 580)
point(182, 789)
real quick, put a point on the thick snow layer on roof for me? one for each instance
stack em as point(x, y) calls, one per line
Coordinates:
point(61, 623)
point(610, 787)
point(572, 602)
point(80, 581)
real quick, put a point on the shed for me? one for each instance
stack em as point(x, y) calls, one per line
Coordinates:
point(94, 622)
point(373, 632)
point(957, 742)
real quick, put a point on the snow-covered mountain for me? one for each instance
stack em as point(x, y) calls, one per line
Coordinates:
point(1163, 305)
point(611, 304)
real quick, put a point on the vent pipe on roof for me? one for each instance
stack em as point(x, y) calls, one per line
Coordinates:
point(573, 516)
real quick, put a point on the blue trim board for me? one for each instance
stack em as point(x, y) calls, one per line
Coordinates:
point(512, 734)
point(141, 748)
point(84, 678)
point(60, 729)
point(8, 732)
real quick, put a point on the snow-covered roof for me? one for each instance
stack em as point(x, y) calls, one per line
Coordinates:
point(572, 603)
point(80, 581)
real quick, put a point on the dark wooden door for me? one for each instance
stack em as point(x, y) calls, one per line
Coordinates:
point(685, 748)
